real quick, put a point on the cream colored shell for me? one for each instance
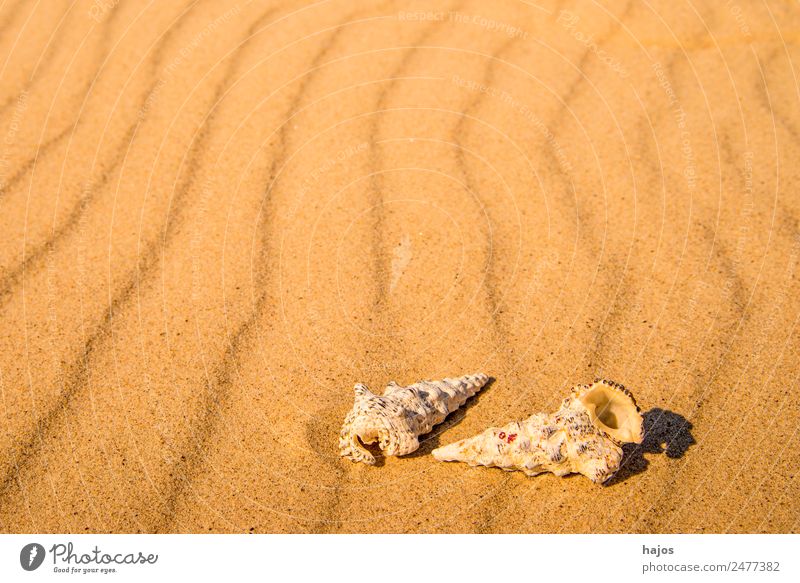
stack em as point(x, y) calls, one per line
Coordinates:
point(583, 436)
point(397, 418)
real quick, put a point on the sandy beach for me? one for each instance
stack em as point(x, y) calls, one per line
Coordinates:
point(216, 217)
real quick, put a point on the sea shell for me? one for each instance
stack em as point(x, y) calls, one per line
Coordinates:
point(398, 417)
point(583, 436)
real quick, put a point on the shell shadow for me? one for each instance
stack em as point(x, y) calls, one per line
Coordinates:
point(430, 441)
point(665, 432)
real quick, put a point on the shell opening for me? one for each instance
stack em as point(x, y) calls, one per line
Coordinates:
point(371, 446)
point(614, 412)
point(373, 441)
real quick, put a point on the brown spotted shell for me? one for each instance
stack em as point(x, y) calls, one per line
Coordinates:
point(583, 436)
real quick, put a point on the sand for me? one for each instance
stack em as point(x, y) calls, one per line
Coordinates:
point(216, 217)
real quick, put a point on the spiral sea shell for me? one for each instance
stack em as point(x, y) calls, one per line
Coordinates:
point(584, 436)
point(397, 418)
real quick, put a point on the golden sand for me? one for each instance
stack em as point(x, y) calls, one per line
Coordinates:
point(216, 217)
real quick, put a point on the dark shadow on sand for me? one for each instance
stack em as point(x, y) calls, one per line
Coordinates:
point(665, 432)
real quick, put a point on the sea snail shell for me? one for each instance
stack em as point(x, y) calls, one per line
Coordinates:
point(396, 419)
point(584, 436)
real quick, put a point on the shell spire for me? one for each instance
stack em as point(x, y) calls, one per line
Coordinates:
point(584, 436)
point(396, 419)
